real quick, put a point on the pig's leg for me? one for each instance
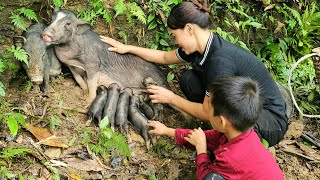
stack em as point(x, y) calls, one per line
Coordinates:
point(92, 87)
point(46, 73)
point(79, 80)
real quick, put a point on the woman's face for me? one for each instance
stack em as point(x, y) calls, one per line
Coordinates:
point(185, 40)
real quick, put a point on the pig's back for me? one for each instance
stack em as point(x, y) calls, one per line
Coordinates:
point(126, 69)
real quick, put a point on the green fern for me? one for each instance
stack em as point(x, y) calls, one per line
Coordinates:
point(295, 14)
point(19, 53)
point(120, 7)
point(18, 21)
point(30, 14)
point(138, 12)
point(17, 17)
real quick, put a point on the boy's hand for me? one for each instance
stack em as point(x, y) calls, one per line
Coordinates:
point(160, 129)
point(197, 138)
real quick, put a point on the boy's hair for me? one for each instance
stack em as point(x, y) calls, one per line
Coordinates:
point(238, 99)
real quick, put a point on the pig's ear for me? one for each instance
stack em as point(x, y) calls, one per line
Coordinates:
point(82, 27)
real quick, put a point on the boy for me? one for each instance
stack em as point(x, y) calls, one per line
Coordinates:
point(234, 107)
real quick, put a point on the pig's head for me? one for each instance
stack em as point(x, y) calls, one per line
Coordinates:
point(36, 60)
point(64, 26)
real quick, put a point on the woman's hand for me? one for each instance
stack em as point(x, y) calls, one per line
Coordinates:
point(118, 47)
point(197, 138)
point(160, 129)
point(159, 94)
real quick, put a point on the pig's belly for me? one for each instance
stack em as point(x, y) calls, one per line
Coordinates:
point(131, 79)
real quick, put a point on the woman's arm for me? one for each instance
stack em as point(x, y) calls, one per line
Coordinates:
point(162, 95)
point(152, 55)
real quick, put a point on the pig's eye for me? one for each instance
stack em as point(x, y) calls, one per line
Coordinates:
point(68, 23)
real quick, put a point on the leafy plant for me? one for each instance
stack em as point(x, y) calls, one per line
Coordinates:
point(57, 3)
point(13, 120)
point(54, 121)
point(109, 141)
point(19, 54)
point(131, 10)
point(18, 17)
point(5, 173)
point(10, 152)
point(158, 12)
point(97, 9)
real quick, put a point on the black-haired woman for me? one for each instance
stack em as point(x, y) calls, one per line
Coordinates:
point(211, 57)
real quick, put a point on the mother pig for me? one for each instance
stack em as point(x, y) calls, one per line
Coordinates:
point(89, 60)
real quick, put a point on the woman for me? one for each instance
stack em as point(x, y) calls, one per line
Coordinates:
point(211, 57)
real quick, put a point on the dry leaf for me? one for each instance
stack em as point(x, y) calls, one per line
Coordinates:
point(83, 165)
point(75, 176)
point(279, 26)
point(45, 137)
point(271, 6)
point(39, 133)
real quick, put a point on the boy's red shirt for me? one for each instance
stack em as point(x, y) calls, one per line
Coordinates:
point(244, 157)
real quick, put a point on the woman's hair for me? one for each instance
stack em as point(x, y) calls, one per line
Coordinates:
point(238, 99)
point(195, 12)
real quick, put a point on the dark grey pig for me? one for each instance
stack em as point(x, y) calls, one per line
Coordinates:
point(122, 112)
point(42, 60)
point(89, 60)
point(138, 120)
point(96, 108)
point(110, 106)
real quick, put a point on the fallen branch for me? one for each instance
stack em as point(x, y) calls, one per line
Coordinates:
point(299, 154)
point(311, 138)
point(82, 111)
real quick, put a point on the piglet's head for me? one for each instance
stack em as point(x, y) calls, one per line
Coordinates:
point(64, 26)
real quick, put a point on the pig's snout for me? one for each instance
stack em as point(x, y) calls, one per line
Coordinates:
point(47, 37)
point(37, 80)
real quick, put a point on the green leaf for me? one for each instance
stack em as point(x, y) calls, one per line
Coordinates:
point(12, 124)
point(172, 66)
point(54, 121)
point(170, 77)
point(21, 177)
point(152, 25)
point(107, 132)
point(57, 3)
point(151, 17)
point(19, 117)
point(163, 42)
point(104, 122)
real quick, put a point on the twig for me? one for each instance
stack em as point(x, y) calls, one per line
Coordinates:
point(44, 110)
point(310, 138)
point(36, 146)
point(299, 154)
point(73, 109)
